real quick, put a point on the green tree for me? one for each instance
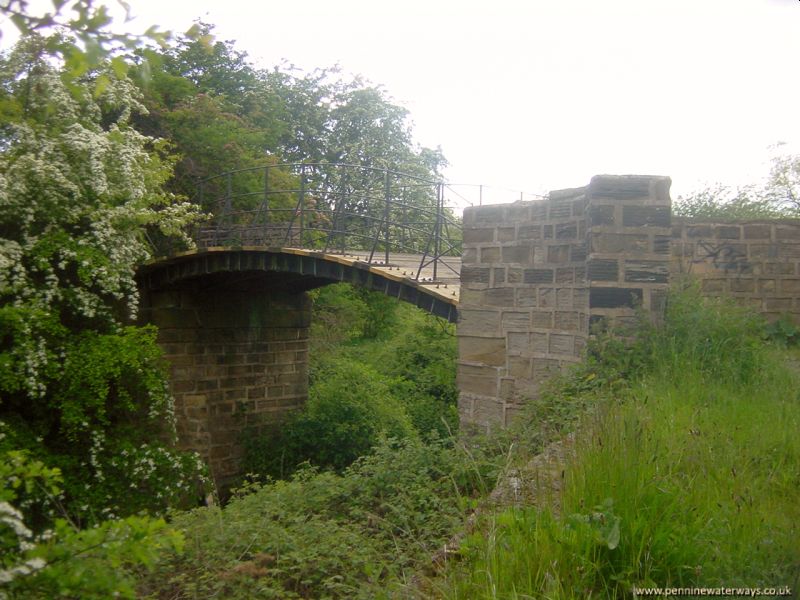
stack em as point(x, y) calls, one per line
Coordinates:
point(210, 102)
point(779, 197)
point(723, 202)
point(222, 114)
point(79, 191)
point(88, 40)
point(783, 189)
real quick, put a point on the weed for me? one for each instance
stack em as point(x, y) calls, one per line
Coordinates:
point(688, 478)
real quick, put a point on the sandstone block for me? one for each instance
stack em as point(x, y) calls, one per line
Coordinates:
point(488, 351)
point(516, 320)
point(481, 235)
point(490, 254)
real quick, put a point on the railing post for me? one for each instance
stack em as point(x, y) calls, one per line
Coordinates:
point(266, 194)
point(226, 208)
point(403, 220)
point(341, 209)
point(387, 213)
point(228, 194)
point(437, 242)
point(302, 201)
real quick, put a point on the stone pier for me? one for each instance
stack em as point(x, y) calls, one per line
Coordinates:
point(537, 275)
point(238, 358)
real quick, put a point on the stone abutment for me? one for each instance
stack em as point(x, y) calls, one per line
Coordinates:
point(238, 360)
point(536, 275)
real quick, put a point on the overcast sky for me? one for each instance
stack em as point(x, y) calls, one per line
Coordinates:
point(542, 95)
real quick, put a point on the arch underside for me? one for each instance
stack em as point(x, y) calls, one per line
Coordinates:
point(294, 270)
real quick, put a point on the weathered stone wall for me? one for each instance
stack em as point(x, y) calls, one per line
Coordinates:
point(238, 359)
point(534, 274)
point(755, 262)
point(523, 310)
point(629, 246)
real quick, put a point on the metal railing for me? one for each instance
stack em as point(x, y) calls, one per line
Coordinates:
point(335, 208)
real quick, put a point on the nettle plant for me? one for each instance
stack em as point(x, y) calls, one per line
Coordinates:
point(80, 191)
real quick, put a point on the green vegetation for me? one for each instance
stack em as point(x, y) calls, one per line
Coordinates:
point(779, 197)
point(102, 139)
point(360, 534)
point(685, 471)
point(220, 113)
point(386, 486)
point(86, 419)
point(685, 476)
point(379, 369)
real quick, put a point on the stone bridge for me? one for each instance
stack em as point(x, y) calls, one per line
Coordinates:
point(234, 325)
point(524, 281)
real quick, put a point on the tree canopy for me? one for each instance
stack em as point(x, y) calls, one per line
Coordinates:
point(778, 197)
point(222, 113)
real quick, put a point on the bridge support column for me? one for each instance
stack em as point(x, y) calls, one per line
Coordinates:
point(238, 359)
point(535, 275)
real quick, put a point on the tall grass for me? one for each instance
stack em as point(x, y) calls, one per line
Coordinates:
point(693, 479)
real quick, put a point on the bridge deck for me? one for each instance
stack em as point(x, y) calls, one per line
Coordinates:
point(402, 268)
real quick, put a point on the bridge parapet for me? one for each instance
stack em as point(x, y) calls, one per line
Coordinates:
point(537, 275)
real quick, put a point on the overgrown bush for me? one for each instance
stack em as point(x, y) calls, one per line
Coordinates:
point(350, 408)
point(683, 475)
point(784, 332)
point(79, 188)
point(363, 384)
point(64, 560)
point(422, 366)
point(714, 338)
point(361, 534)
point(345, 313)
point(709, 336)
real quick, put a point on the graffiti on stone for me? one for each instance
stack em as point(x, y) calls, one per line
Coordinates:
point(723, 255)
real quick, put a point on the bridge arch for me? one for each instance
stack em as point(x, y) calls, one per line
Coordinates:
point(295, 270)
point(234, 325)
point(233, 315)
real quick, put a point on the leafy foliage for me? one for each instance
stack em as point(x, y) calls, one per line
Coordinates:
point(86, 39)
point(784, 332)
point(349, 410)
point(79, 188)
point(379, 367)
point(660, 489)
point(64, 561)
point(720, 202)
point(223, 114)
point(779, 197)
point(360, 534)
point(783, 188)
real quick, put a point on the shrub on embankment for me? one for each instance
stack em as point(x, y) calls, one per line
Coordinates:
point(379, 368)
point(686, 475)
point(360, 534)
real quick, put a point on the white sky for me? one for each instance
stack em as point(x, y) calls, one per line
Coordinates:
point(543, 94)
